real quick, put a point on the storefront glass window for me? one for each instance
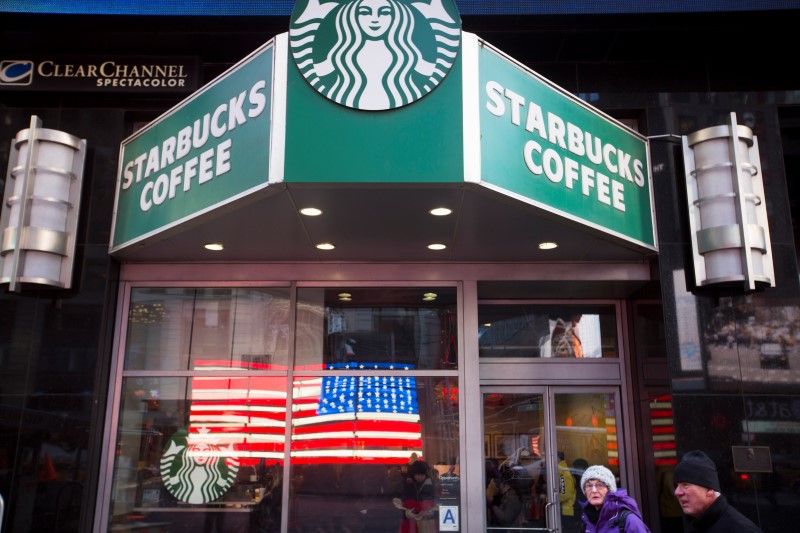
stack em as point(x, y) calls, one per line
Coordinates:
point(198, 453)
point(545, 331)
point(208, 388)
point(186, 328)
point(376, 328)
point(357, 442)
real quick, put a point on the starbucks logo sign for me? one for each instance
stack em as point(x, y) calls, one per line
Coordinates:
point(374, 54)
point(194, 470)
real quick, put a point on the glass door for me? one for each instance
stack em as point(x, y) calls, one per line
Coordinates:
point(537, 443)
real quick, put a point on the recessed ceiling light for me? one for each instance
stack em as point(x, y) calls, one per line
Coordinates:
point(343, 299)
point(311, 212)
point(344, 295)
point(437, 246)
point(547, 245)
point(429, 295)
point(440, 211)
point(325, 246)
point(214, 246)
point(428, 299)
point(488, 325)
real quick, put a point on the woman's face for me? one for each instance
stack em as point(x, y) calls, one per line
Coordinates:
point(201, 453)
point(596, 492)
point(374, 17)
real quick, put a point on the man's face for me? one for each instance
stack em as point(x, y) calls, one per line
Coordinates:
point(694, 499)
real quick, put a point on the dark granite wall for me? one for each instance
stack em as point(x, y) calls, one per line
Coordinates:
point(55, 345)
point(722, 394)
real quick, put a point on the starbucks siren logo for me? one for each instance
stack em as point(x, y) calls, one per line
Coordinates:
point(194, 470)
point(375, 54)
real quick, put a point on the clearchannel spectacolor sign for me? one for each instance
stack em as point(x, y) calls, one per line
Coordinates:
point(101, 73)
point(390, 85)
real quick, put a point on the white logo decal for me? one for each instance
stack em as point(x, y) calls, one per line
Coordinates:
point(375, 54)
point(196, 471)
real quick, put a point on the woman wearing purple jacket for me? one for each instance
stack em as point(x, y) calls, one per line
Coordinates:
point(608, 509)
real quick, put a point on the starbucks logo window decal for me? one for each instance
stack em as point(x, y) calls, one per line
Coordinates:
point(374, 54)
point(195, 470)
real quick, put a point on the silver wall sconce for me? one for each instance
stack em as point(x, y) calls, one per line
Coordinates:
point(41, 205)
point(727, 213)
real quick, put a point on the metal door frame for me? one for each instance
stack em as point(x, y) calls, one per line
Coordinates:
point(549, 392)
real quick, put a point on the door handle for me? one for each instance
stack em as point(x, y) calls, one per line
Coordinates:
point(547, 508)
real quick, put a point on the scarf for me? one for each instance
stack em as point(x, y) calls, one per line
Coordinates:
point(592, 513)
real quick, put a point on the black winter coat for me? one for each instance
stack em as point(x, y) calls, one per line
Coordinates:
point(720, 518)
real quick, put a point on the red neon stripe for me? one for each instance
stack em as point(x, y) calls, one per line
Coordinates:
point(212, 382)
point(316, 366)
point(660, 413)
point(227, 363)
point(355, 444)
point(349, 460)
point(262, 447)
point(662, 430)
point(388, 425)
point(360, 425)
point(331, 427)
point(215, 430)
point(662, 398)
point(666, 462)
point(252, 415)
point(241, 404)
point(658, 446)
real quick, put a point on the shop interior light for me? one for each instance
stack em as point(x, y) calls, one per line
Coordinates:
point(440, 211)
point(547, 245)
point(311, 212)
point(214, 246)
point(436, 246)
point(727, 212)
point(325, 246)
point(39, 218)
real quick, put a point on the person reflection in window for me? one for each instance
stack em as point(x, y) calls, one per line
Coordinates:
point(567, 495)
point(419, 512)
point(564, 339)
point(506, 512)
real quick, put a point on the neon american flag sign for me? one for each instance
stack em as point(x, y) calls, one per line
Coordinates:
point(335, 419)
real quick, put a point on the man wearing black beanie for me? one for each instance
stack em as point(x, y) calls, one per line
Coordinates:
point(698, 492)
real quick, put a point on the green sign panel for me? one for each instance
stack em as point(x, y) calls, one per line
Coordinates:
point(552, 150)
point(208, 151)
point(330, 143)
point(489, 122)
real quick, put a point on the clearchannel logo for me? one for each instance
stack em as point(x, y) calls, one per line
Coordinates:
point(16, 72)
